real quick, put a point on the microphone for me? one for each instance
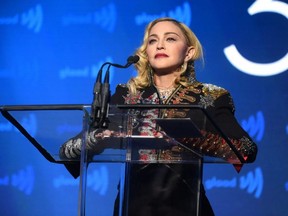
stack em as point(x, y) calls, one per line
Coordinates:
point(100, 105)
point(130, 60)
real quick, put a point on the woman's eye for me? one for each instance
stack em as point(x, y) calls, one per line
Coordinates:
point(171, 39)
point(151, 41)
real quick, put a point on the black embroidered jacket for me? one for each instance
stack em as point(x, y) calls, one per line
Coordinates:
point(217, 102)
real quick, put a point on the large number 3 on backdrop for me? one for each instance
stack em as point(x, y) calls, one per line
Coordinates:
point(258, 69)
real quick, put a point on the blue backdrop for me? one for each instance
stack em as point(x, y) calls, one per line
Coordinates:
point(51, 51)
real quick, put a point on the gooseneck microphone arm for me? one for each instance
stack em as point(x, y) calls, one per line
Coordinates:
point(96, 104)
point(101, 94)
point(105, 92)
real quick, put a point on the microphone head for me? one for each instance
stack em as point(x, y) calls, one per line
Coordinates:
point(133, 59)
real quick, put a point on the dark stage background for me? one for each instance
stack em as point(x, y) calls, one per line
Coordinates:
point(51, 51)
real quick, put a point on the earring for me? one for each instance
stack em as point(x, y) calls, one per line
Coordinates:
point(181, 68)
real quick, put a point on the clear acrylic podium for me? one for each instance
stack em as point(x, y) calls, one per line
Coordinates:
point(167, 141)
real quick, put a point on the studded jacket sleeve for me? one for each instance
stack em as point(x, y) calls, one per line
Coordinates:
point(221, 112)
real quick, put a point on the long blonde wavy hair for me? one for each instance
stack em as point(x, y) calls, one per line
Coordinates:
point(144, 77)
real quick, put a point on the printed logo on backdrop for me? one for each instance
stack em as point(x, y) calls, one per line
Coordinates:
point(252, 183)
point(24, 70)
point(85, 71)
point(105, 17)
point(23, 180)
point(29, 122)
point(97, 180)
point(181, 13)
point(254, 68)
point(255, 126)
point(31, 19)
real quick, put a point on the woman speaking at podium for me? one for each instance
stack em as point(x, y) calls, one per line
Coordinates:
point(166, 75)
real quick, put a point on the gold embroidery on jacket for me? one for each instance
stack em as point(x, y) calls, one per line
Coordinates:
point(213, 90)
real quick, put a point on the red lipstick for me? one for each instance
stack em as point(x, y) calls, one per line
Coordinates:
point(160, 55)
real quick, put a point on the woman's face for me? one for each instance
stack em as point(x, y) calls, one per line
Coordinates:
point(167, 49)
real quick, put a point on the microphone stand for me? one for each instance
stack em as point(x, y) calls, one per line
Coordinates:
point(106, 94)
point(97, 99)
point(102, 94)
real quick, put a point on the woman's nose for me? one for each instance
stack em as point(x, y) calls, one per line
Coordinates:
point(160, 45)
